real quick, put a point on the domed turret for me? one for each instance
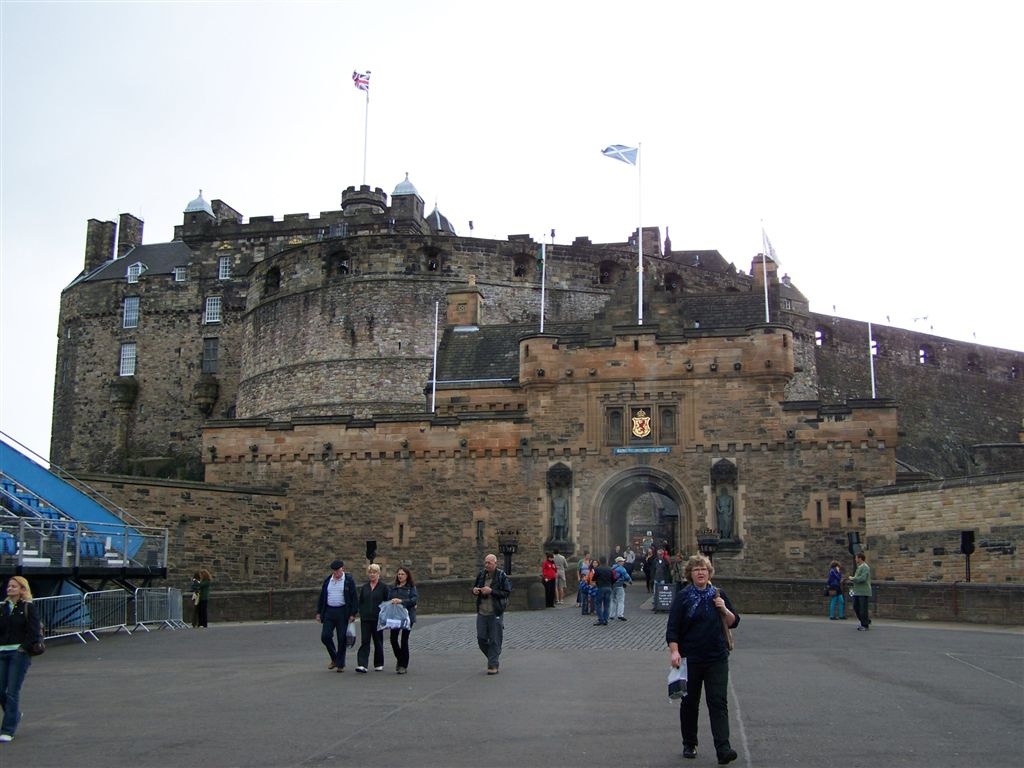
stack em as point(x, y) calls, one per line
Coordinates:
point(406, 202)
point(199, 205)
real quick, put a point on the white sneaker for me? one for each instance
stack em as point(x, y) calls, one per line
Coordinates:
point(378, 669)
point(361, 669)
point(5, 737)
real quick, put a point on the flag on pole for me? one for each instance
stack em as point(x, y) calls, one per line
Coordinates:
point(769, 250)
point(361, 80)
point(621, 152)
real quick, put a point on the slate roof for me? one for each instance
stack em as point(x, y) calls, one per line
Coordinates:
point(159, 259)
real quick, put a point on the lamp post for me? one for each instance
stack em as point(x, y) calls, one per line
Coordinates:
point(707, 542)
point(508, 545)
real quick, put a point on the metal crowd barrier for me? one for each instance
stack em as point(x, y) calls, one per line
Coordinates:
point(158, 606)
point(83, 615)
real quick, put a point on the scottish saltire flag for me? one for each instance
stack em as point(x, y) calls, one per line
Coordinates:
point(362, 80)
point(621, 152)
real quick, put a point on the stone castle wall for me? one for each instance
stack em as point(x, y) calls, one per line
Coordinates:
point(914, 531)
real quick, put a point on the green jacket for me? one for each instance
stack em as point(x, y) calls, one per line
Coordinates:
point(862, 581)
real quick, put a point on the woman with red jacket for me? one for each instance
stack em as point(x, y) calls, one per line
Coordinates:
point(549, 572)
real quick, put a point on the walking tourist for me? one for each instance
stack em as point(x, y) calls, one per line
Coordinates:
point(19, 630)
point(336, 607)
point(549, 574)
point(403, 592)
point(369, 596)
point(203, 606)
point(562, 565)
point(696, 632)
point(492, 588)
point(602, 578)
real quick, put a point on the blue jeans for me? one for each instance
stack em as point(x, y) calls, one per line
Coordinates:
point(837, 601)
point(13, 668)
point(603, 602)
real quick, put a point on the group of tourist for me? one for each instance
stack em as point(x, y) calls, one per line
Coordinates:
point(341, 602)
point(860, 590)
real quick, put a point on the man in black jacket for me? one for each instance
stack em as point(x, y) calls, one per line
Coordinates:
point(492, 589)
point(336, 608)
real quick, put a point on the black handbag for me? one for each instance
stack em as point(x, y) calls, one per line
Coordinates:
point(37, 649)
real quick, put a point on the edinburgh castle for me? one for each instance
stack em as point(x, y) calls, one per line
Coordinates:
point(271, 392)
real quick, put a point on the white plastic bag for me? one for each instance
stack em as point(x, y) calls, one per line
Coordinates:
point(393, 616)
point(350, 634)
point(677, 681)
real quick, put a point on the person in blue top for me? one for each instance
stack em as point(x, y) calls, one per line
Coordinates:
point(621, 578)
point(403, 591)
point(695, 631)
point(336, 607)
point(836, 603)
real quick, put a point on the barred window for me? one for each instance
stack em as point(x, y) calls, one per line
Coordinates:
point(213, 310)
point(210, 355)
point(131, 312)
point(134, 270)
point(128, 359)
point(224, 268)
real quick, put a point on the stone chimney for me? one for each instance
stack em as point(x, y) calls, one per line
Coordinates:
point(129, 234)
point(464, 305)
point(757, 271)
point(99, 243)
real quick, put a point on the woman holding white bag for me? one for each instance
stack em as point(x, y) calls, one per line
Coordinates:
point(403, 592)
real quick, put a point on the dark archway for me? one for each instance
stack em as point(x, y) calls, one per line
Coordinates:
point(641, 499)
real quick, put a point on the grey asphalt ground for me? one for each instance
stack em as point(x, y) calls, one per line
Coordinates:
point(804, 692)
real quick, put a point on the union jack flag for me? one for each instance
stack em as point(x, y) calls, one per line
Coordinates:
point(361, 80)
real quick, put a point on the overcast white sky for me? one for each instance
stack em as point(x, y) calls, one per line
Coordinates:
point(880, 142)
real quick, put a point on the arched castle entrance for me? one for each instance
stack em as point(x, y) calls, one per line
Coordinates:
point(639, 500)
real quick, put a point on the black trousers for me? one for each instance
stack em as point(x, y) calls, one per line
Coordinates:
point(860, 607)
point(549, 593)
point(368, 632)
point(400, 646)
point(334, 622)
point(714, 678)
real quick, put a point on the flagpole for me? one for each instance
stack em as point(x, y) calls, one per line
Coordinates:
point(871, 360)
point(764, 273)
point(433, 385)
point(366, 131)
point(640, 238)
point(543, 276)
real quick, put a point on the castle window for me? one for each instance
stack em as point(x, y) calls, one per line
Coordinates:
point(272, 282)
point(817, 511)
point(213, 310)
point(211, 349)
point(787, 304)
point(673, 283)
point(820, 337)
point(606, 273)
point(521, 266)
point(180, 274)
point(224, 268)
point(667, 432)
point(613, 426)
point(131, 312)
point(973, 363)
point(479, 531)
point(128, 359)
point(1014, 372)
point(925, 355)
point(134, 271)
point(874, 347)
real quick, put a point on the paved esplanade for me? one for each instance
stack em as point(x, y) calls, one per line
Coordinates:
point(805, 692)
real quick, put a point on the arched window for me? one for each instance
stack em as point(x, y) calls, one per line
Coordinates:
point(668, 425)
point(608, 273)
point(673, 283)
point(272, 282)
point(613, 426)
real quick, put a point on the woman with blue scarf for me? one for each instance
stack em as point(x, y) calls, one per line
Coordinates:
point(696, 631)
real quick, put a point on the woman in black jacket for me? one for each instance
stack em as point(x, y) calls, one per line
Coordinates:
point(371, 595)
point(404, 592)
point(19, 629)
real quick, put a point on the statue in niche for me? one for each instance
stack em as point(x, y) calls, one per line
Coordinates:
point(724, 513)
point(559, 514)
